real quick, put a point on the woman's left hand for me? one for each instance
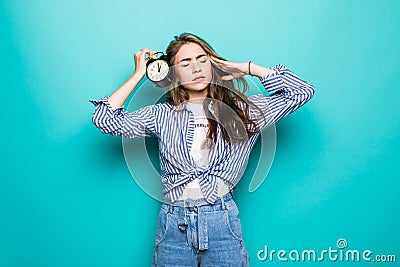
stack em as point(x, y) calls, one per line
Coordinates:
point(235, 69)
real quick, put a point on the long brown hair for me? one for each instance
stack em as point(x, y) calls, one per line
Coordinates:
point(227, 95)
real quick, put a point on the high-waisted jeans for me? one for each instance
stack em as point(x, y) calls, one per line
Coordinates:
point(196, 233)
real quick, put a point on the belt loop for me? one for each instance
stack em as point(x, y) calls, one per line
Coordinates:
point(182, 222)
point(223, 203)
point(169, 208)
point(184, 211)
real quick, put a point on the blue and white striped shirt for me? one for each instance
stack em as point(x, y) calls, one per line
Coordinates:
point(175, 131)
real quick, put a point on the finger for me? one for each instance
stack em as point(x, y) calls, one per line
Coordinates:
point(144, 51)
point(221, 65)
point(148, 53)
point(226, 65)
point(227, 77)
point(216, 59)
point(153, 54)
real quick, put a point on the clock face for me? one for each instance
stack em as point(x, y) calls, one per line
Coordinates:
point(157, 70)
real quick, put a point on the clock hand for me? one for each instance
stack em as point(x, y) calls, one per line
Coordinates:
point(159, 67)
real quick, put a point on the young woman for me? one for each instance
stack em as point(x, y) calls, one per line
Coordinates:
point(206, 130)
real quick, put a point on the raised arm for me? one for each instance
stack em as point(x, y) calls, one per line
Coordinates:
point(118, 98)
point(110, 116)
point(287, 91)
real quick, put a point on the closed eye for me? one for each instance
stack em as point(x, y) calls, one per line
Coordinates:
point(203, 59)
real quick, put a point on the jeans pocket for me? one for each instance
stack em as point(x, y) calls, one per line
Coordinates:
point(233, 222)
point(162, 226)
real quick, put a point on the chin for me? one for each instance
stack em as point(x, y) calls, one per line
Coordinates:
point(198, 87)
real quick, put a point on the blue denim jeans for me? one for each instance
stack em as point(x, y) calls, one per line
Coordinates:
point(196, 233)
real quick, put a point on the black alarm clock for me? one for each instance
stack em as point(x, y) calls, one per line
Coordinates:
point(158, 70)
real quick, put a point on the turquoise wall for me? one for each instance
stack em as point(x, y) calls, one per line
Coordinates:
point(67, 197)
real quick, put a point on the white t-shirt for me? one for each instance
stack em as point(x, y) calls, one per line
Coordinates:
point(200, 155)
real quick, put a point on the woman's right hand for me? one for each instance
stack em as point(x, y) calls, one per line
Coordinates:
point(141, 57)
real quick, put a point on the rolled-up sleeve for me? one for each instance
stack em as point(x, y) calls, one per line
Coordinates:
point(287, 91)
point(119, 122)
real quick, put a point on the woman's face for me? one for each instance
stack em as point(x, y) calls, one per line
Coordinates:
point(193, 67)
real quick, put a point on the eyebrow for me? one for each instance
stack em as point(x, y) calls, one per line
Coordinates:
point(188, 58)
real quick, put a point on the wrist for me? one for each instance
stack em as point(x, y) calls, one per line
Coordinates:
point(249, 68)
point(260, 71)
point(139, 73)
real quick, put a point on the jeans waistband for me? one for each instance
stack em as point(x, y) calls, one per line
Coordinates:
point(200, 202)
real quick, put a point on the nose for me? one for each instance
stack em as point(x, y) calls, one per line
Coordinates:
point(196, 67)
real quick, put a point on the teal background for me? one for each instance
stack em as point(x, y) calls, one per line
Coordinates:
point(66, 194)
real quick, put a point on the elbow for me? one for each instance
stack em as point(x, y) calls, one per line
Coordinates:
point(107, 121)
point(309, 91)
point(97, 121)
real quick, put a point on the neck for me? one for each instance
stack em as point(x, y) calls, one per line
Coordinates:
point(196, 100)
point(197, 96)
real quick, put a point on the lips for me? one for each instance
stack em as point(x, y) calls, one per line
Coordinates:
point(199, 78)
